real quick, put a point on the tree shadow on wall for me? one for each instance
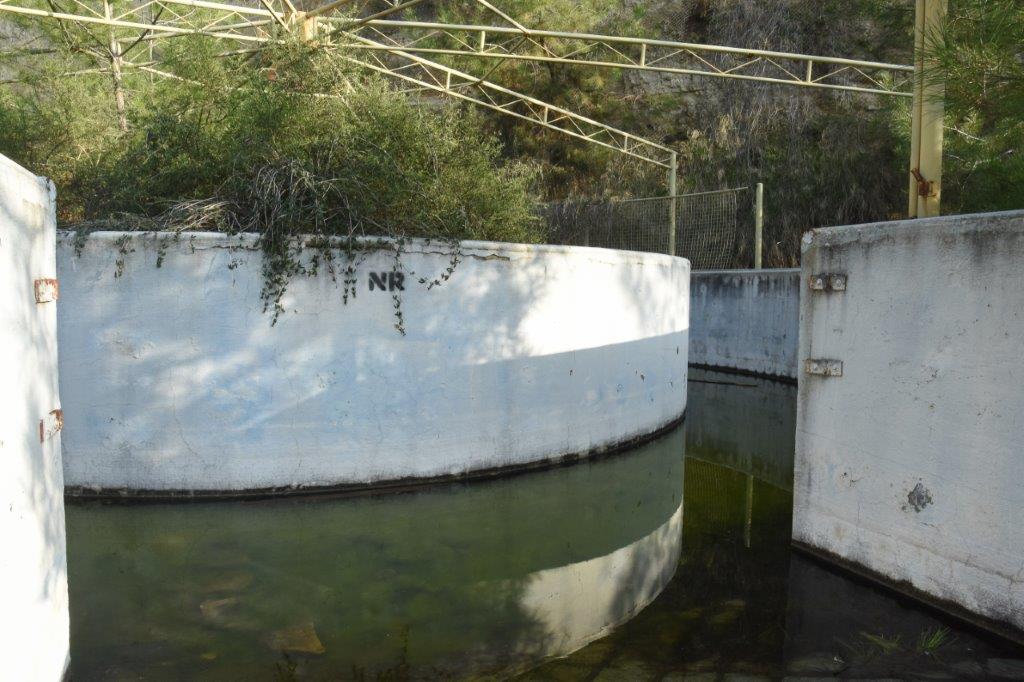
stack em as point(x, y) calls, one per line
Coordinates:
point(173, 376)
point(34, 512)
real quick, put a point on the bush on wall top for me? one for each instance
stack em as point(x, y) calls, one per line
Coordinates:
point(295, 145)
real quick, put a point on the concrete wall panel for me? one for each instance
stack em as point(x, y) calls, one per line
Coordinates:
point(33, 567)
point(175, 380)
point(745, 320)
point(910, 465)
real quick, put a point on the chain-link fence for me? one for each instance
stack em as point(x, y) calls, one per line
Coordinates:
point(708, 225)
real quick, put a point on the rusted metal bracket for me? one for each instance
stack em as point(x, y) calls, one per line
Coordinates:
point(828, 281)
point(925, 188)
point(51, 424)
point(823, 367)
point(46, 290)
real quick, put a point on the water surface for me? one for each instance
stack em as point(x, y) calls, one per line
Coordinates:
point(449, 581)
point(668, 562)
point(742, 604)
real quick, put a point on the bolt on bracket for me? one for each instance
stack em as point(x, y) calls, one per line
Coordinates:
point(828, 281)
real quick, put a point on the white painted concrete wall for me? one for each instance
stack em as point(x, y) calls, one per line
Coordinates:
point(174, 379)
point(33, 568)
point(911, 464)
point(746, 320)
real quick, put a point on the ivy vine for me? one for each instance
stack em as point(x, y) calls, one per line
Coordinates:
point(337, 258)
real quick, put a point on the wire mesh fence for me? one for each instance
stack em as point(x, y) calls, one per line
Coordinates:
point(708, 225)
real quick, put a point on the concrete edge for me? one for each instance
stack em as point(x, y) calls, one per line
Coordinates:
point(11, 165)
point(79, 494)
point(874, 232)
point(906, 591)
point(779, 378)
point(477, 249)
point(748, 271)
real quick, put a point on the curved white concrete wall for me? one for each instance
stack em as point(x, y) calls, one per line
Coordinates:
point(33, 566)
point(173, 379)
point(746, 320)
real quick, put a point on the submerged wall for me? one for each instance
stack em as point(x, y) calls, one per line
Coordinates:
point(745, 423)
point(33, 566)
point(454, 582)
point(910, 438)
point(174, 379)
point(746, 320)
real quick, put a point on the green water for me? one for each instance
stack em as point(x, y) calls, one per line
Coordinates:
point(458, 580)
point(668, 562)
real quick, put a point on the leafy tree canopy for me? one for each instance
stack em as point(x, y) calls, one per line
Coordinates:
point(980, 57)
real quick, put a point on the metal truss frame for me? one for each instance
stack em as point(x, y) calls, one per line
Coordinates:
point(401, 49)
point(259, 26)
point(408, 41)
point(508, 43)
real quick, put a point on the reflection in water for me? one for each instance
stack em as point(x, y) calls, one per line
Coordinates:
point(455, 580)
point(741, 602)
point(487, 578)
point(743, 423)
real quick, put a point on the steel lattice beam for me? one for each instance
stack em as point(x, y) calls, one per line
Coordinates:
point(397, 49)
point(259, 26)
point(162, 18)
point(510, 43)
point(431, 76)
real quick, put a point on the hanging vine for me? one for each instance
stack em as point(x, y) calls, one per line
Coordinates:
point(311, 162)
point(293, 215)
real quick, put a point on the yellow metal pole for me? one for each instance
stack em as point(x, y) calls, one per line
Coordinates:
point(310, 29)
point(915, 111)
point(925, 181)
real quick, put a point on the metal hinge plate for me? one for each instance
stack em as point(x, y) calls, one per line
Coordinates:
point(46, 290)
point(823, 367)
point(828, 281)
point(51, 424)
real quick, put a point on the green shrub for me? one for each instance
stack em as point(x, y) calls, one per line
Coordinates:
point(385, 164)
point(980, 57)
point(298, 147)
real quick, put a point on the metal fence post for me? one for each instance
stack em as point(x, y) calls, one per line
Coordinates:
point(758, 225)
point(672, 170)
